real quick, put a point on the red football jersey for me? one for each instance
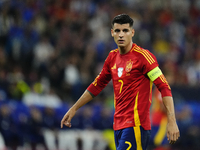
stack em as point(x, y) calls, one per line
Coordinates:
point(132, 86)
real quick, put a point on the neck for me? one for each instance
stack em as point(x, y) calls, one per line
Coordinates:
point(126, 49)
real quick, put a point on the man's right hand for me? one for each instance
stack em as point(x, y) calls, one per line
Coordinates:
point(66, 120)
point(85, 98)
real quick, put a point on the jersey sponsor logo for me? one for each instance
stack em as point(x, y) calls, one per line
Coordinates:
point(120, 71)
point(129, 65)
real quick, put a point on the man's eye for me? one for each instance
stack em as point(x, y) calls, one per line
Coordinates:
point(125, 30)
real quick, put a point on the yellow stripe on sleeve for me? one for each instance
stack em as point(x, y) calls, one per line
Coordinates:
point(154, 73)
point(162, 77)
point(148, 57)
point(144, 56)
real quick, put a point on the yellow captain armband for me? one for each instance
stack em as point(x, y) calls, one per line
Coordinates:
point(154, 73)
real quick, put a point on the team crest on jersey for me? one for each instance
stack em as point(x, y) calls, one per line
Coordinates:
point(120, 71)
point(129, 65)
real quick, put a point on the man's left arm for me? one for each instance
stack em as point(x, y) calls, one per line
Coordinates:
point(157, 77)
point(172, 129)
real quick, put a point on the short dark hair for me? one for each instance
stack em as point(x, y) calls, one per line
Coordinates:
point(122, 19)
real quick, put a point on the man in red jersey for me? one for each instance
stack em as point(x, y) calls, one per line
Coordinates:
point(133, 71)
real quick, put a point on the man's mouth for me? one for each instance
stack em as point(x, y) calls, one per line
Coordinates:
point(121, 41)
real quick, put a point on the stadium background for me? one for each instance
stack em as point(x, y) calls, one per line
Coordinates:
point(51, 50)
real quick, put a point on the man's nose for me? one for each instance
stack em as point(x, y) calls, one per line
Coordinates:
point(121, 34)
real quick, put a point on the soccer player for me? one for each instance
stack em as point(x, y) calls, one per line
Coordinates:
point(133, 71)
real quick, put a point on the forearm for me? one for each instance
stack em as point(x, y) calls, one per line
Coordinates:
point(169, 105)
point(85, 98)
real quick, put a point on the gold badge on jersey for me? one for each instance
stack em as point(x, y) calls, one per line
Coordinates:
point(129, 65)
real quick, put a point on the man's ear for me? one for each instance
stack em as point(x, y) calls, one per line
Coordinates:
point(112, 32)
point(133, 32)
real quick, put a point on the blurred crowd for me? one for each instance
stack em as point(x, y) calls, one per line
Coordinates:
point(25, 127)
point(60, 45)
point(51, 50)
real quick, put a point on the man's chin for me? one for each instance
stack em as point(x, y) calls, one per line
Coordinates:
point(121, 44)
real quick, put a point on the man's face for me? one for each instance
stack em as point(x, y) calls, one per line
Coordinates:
point(122, 34)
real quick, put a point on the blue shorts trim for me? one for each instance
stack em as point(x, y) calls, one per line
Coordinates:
point(132, 138)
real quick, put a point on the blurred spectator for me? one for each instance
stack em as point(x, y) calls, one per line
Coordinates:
point(193, 70)
point(37, 97)
point(51, 99)
point(86, 118)
point(33, 98)
point(8, 128)
point(35, 131)
point(50, 124)
point(3, 58)
point(3, 85)
point(42, 52)
point(28, 41)
point(103, 119)
point(6, 21)
point(72, 77)
point(184, 119)
point(17, 85)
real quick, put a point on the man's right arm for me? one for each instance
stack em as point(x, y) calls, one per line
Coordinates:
point(93, 90)
point(85, 98)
